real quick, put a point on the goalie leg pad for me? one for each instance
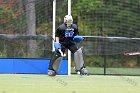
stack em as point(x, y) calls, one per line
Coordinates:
point(56, 64)
point(55, 61)
point(79, 61)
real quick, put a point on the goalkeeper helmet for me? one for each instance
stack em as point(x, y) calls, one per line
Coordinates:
point(68, 20)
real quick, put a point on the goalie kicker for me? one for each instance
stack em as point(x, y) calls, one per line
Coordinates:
point(79, 62)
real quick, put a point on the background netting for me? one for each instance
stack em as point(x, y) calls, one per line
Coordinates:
point(107, 17)
point(100, 45)
point(112, 27)
point(22, 22)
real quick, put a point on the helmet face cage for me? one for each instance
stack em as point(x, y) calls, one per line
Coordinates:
point(68, 20)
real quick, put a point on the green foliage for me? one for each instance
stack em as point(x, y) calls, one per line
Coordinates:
point(116, 18)
point(6, 12)
point(113, 17)
point(44, 28)
point(3, 53)
point(12, 21)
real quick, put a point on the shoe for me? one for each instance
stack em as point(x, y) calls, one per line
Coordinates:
point(52, 73)
point(84, 71)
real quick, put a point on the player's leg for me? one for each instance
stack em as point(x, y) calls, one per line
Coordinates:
point(79, 60)
point(55, 62)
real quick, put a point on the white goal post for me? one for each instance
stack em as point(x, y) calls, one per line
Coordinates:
point(69, 53)
point(53, 32)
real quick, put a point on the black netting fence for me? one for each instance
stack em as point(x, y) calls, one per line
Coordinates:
point(112, 27)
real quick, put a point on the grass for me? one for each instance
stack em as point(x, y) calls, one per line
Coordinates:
point(99, 70)
point(33, 83)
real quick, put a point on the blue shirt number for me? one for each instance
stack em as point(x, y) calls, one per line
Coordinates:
point(69, 34)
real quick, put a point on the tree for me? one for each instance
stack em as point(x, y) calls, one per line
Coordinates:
point(31, 26)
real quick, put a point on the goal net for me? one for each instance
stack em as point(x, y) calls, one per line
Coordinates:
point(111, 29)
point(112, 34)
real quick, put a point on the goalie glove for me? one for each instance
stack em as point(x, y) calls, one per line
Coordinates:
point(57, 46)
point(78, 38)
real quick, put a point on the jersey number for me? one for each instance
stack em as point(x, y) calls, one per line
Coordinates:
point(69, 34)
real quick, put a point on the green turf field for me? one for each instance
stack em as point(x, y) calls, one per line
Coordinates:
point(124, 71)
point(29, 83)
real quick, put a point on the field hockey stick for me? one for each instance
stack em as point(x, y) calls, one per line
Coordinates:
point(62, 54)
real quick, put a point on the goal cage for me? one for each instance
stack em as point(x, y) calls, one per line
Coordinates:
point(111, 29)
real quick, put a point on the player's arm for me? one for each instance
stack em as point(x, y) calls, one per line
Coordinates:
point(56, 39)
point(57, 34)
point(57, 45)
